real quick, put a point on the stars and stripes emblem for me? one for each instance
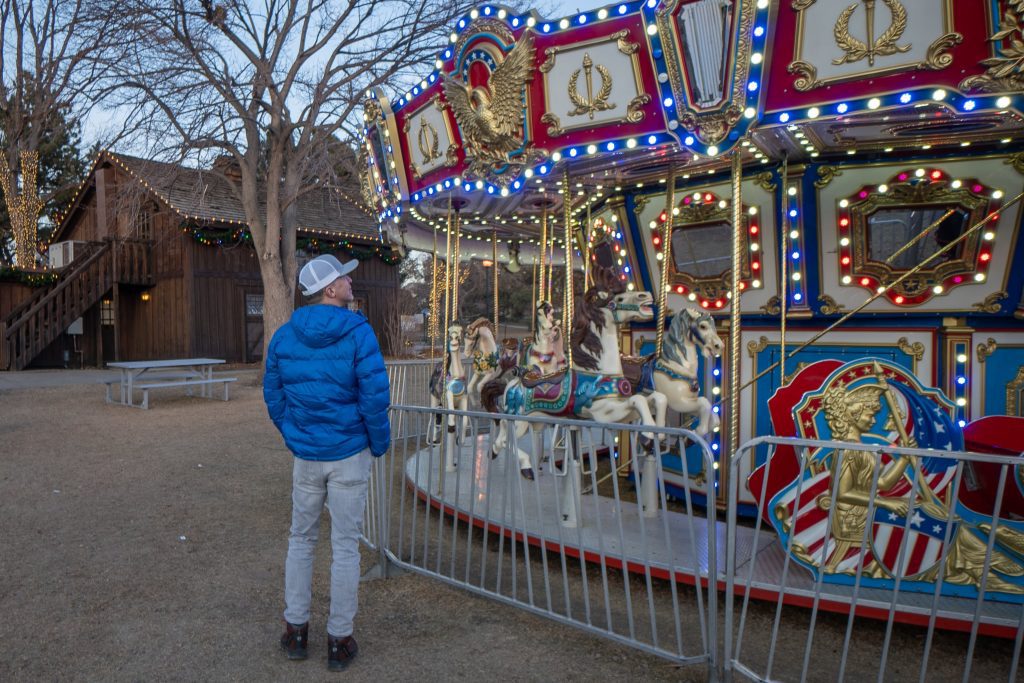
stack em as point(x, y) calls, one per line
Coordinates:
point(907, 546)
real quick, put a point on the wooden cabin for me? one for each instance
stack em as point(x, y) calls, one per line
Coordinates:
point(154, 260)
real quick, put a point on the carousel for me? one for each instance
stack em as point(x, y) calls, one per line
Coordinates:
point(792, 219)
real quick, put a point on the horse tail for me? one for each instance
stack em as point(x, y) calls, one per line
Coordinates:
point(491, 392)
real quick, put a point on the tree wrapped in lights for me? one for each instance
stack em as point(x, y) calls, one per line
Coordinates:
point(24, 207)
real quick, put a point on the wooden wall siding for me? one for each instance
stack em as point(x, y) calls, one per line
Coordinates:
point(12, 294)
point(158, 328)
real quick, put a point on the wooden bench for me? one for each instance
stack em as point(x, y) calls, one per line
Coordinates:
point(162, 376)
point(146, 386)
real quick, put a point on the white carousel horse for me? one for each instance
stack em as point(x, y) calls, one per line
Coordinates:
point(449, 393)
point(674, 373)
point(594, 388)
point(481, 347)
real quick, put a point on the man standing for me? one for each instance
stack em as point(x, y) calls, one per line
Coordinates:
point(327, 392)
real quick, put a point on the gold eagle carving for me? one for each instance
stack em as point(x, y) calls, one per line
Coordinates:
point(491, 116)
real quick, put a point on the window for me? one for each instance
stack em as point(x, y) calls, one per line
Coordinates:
point(890, 229)
point(106, 312)
point(253, 305)
point(702, 251)
point(144, 222)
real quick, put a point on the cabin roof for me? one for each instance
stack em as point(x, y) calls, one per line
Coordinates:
point(206, 196)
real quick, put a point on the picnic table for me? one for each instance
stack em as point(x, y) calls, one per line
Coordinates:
point(159, 374)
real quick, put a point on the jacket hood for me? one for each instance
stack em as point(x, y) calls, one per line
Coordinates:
point(321, 325)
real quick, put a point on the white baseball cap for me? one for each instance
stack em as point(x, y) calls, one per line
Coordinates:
point(322, 271)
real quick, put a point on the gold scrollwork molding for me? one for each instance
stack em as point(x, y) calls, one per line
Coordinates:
point(991, 303)
point(634, 110)
point(766, 181)
point(808, 75)
point(640, 203)
point(1017, 161)
point(985, 350)
point(773, 307)
point(791, 376)
point(554, 124)
point(1013, 394)
point(801, 5)
point(756, 347)
point(937, 56)
point(826, 174)
point(916, 349)
point(451, 157)
point(829, 306)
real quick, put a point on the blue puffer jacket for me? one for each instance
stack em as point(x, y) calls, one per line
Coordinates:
point(325, 385)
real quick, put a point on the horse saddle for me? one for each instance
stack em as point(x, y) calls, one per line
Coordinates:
point(636, 370)
point(547, 386)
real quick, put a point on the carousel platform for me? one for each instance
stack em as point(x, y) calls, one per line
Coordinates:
point(490, 494)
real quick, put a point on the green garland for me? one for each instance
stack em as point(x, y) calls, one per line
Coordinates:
point(220, 236)
point(30, 278)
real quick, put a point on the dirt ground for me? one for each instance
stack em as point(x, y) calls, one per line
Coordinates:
point(149, 545)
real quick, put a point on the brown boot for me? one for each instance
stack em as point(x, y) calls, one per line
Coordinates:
point(294, 640)
point(340, 652)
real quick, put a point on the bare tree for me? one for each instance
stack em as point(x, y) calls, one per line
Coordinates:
point(274, 84)
point(48, 83)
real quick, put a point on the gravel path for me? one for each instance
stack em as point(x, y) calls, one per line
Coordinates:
point(149, 545)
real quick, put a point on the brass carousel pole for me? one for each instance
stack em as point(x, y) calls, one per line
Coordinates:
point(783, 282)
point(494, 264)
point(734, 326)
point(456, 277)
point(543, 254)
point(586, 249)
point(433, 301)
point(666, 259)
point(447, 290)
point(567, 311)
point(533, 299)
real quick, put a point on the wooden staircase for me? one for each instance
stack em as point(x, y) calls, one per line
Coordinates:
point(39, 321)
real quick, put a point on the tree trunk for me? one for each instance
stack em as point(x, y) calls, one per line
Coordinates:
point(278, 299)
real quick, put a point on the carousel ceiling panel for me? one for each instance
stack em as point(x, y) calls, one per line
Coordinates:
point(836, 58)
point(513, 96)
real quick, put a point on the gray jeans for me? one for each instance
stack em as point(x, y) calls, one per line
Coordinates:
point(342, 483)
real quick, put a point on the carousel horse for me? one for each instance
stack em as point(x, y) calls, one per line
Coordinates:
point(674, 373)
point(481, 347)
point(594, 388)
point(450, 391)
point(546, 352)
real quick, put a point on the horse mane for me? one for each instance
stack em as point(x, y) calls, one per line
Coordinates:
point(674, 350)
point(586, 344)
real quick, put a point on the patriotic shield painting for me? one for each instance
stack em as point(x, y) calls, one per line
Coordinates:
point(848, 515)
point(909, 546)
point(812, 512)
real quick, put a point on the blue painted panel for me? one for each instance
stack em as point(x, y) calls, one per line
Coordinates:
point(1000, 368)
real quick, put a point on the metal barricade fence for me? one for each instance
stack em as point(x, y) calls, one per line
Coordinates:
point(410, 383)
point(576, 544)
point(824, 521)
